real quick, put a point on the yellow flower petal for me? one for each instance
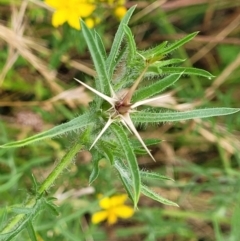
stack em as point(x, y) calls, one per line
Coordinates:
point(99, 216)
point(74, 21)
point(118, 200)
point(124, 211)
point(84, 9)
point(114, 208)
point(105, 203)
point(112, 217)
point(59, 17)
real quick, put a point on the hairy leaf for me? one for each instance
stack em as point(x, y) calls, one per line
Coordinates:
point(75, 124)
point(131, 160)
point(149, 117)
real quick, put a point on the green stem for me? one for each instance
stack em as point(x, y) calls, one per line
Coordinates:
point(19, 219)
point(60, 167)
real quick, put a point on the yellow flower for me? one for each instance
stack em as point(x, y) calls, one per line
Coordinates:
point(120, 11)
point(70, 11)
point(113, 207)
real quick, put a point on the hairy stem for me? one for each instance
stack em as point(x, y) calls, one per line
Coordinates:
point(18, 220)
point(60, 167)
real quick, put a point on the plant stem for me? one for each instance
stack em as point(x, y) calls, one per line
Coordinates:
point(60, 167)
point(17, 221)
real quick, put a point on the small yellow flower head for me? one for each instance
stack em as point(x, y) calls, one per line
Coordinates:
point(70, 11)
point(90, 22)
point(113, 208)
point(120, 11)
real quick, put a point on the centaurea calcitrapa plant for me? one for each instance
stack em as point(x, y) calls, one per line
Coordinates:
point(107, 128)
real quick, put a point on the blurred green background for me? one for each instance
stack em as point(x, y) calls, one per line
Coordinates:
point(37, 65)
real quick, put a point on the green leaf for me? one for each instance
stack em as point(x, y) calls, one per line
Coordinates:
point(110, 149)
point(132, 49)
point(115, 49)
point(148, 117)
point(153, 52)
point(137, 146)
point(20, 222)
point(162, 63)
point(100, 44)
point(51, 206)
point(178, 44)
point(149, 193)
point(131, 160)
point(152, 175)
point(31, 231)
point(95, 169)
point(187, 70)
point(75, 124)
point(148, 142)
point(124, 175)
point(95, 47)
point(103, 148)
point(156, 87)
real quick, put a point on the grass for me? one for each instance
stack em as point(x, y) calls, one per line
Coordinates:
point(38, 64)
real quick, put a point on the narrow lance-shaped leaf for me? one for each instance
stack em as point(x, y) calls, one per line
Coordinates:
point(155, 88)
point(95, 169)
point(98, 57)
point(156, 51)
point(100, 45)
point(156, 67)
point(187, 70)
point(103, 147)
point(149, 193)
point(132, 49)
point(31, 231)
point(149, 117)
point(152, 175)
point(115, 49)
point(131, 160)
point(75, 124)
point(168, 62)
point(124, 175)
point(178, 43)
